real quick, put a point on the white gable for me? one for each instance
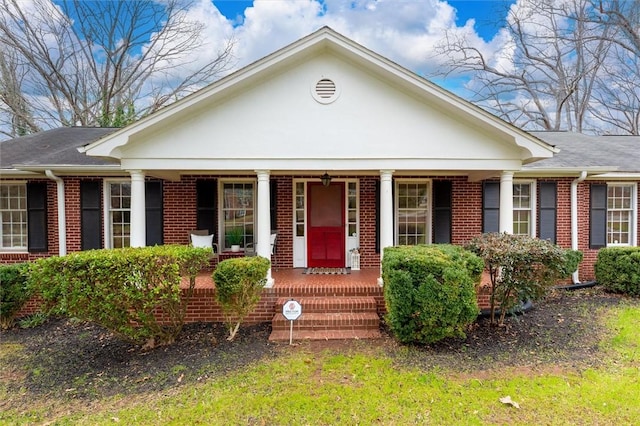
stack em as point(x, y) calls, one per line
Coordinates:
point(269, 117)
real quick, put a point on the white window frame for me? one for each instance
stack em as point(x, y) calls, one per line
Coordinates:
point(108, 225)
point(633, 219)
point(221, 209)
point(428, 208)
point(533, 205)
point(17, 249)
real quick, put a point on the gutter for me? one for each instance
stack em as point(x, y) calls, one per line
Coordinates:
point(574, 219)
point(62, 222)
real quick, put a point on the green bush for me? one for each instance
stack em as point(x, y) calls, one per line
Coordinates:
point(14, 292)
point(618, 269)
point(239, 284)
point(521, 268)
point(430, 291)
point(123, 290)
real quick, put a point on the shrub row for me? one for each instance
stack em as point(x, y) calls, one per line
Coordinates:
point(618, 269)
point(122, 289)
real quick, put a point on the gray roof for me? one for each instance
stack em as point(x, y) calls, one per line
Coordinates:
point(57, 147)
point(577, 150)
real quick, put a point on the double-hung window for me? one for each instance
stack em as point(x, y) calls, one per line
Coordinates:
point(238, 212)
point(118, 197)
point(13, 217)
point(413, 216)
point(621, 204)
point(523, 208)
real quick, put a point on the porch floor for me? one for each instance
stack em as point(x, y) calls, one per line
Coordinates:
point(296, 278)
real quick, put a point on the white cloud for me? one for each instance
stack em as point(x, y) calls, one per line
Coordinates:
point(405, 31)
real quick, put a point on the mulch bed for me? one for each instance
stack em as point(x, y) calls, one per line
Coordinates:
point(85, 361)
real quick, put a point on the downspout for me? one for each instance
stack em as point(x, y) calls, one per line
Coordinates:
point(62, 220)
point(574, 219)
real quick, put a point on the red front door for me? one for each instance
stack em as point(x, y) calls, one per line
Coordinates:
point(325, 242)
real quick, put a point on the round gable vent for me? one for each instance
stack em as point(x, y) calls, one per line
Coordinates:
point(325, 91)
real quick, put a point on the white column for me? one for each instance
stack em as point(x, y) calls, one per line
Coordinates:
point(386, 214)
point(506, 202)
point(263, 234)
point(138, 208)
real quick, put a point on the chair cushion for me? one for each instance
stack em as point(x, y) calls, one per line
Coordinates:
point(204, 241)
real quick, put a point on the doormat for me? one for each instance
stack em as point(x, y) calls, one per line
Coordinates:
point(326, 271)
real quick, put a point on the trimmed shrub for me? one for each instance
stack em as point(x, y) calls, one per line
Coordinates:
point(430, 291)
point(618, 269)
point(521, 268)
point(14, 292)
point(124, 290)
point(239, 283)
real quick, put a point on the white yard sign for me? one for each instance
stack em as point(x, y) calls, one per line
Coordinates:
point(291, 310)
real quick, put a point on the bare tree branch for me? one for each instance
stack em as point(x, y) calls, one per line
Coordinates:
point(93, 63)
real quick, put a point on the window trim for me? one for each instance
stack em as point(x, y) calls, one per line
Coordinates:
point(25, 249)
point(634, 214)
point(106, 203)
point(533, 207)
point(428, 208)
point(221, 183)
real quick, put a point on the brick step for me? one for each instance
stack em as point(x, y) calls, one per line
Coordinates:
point(329, 321)
point(332, 304)
point(283, 335)
point(328, 290)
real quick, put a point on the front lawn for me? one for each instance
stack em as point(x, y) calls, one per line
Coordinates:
point(572, 360)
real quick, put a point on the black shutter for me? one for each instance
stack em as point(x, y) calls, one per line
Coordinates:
point(491, 207)
point(273, 201)
point(442, 211)
point(377, 241)
point(206, 204)
point(598, 216)
point(153, 214)
point(90, 215)
point(37, 216)
point(548, 195)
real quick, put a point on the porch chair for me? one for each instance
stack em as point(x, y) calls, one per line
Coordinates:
point(202, 238)
point(250, 249)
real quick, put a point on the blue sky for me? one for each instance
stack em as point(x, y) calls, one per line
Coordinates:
point(405, 31)
point(488, 14)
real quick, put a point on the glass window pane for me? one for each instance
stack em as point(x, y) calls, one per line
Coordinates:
point(238, 211)
point(13, 216)
point(412, 212)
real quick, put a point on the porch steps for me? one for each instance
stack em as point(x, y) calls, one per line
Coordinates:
point(329, 312)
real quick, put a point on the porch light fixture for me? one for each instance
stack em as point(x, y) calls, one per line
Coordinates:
point(326, 179)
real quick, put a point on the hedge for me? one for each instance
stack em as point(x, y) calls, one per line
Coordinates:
point(124, 290)
point(14, 292)
point(618, 269)
point(239, 284)
point(430, 291)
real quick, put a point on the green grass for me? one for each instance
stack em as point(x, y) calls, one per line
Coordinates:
point(366, 387)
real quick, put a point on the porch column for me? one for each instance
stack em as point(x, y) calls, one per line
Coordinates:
point(263, 235)
point(506, 202)
point(386, 214)
point(138, 209)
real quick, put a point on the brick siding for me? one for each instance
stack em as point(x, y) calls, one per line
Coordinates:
point(180, 217)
